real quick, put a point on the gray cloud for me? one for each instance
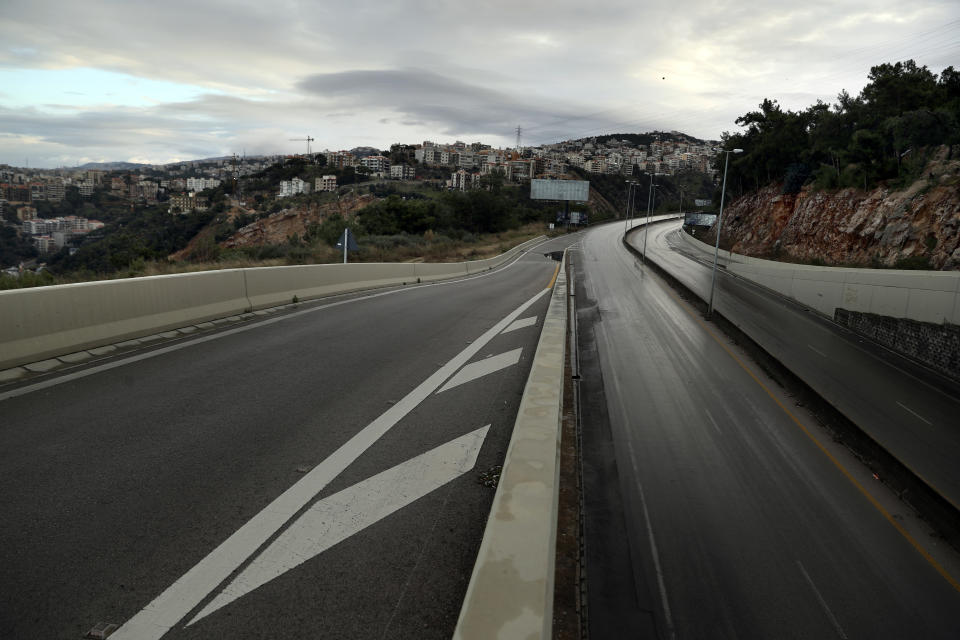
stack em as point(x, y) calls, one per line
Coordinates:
point(453, 107)
point(374, 73)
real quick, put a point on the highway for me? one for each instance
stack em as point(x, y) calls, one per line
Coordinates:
point(716, 507)
point(317, 473)
point(882, 393)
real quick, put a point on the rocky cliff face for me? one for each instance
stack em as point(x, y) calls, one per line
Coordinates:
point(852, 227)
point(278, 227)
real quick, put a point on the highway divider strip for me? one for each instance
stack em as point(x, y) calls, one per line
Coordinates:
point(510, 594)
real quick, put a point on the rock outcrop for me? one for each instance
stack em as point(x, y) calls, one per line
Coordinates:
point(278, 227)
point(852, 227)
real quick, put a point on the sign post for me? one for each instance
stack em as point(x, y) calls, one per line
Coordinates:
point(347, 243)
point(566, 191)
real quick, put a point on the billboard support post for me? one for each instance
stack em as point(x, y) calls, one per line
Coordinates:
point(565, 191)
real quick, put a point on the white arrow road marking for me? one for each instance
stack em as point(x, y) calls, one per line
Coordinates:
point(167, 609)
point(483, 367)
point(343, 514)
point(522, 323)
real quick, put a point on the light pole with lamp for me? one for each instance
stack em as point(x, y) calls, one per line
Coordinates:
point(626, 215)
point(716, 250)
point(651, 203)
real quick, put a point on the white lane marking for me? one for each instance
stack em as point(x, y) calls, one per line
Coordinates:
point(67, 377)
point(661, 583)
point(186, 593)
point(823, 603)
point(713, 422)
point(522, 323)
point(483, 367)
point(347, 512)
point(817, 351)
point(917, 415)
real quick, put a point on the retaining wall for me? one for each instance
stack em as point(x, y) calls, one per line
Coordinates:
point(916, 313)
point(924, 296)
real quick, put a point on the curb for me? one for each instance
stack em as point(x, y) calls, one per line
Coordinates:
point(510, 594)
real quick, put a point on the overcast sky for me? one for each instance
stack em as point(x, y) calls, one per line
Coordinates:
point(158, 82)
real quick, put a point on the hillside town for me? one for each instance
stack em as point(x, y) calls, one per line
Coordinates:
point(26, 195)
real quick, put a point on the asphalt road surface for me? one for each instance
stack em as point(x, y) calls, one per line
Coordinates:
point(887, 396)
point(312, 474)
point(736, 517)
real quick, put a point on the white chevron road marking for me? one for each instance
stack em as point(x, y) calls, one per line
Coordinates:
point(167, 609)
point(347, 512)
point(483, 367)
point(522, 323)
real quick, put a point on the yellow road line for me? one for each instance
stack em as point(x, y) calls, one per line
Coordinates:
point(886, 514)
point(556, 272)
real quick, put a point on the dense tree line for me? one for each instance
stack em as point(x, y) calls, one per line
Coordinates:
point(14, 248)
point(149, 234)
point(884, 133)
point(643, 138)
point(669, 190)
point(492, 209)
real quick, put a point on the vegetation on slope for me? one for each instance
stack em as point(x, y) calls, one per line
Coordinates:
point(886, 133)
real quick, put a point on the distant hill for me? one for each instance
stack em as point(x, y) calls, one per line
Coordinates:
point(111, 166)
point(647, 138)
point(363, 152)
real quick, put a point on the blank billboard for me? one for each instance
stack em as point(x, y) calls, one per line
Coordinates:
point(576, 190)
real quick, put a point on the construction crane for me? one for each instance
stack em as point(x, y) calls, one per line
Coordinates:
point(308, 140)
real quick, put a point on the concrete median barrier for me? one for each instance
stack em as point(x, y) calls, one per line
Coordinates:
point(510, 594)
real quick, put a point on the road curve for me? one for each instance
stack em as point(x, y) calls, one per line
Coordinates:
point(315, 474)
point(885, 395)
point(741, 521)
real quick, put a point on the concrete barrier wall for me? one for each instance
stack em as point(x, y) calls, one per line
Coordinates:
point(924, 296)
point(510, 594)
point(273, 286)
point(43, 322)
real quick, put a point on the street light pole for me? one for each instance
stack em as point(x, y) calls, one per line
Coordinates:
point(651, 200)
point(716, 249)
point(626, 214)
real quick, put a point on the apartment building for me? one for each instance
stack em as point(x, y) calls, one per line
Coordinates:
point(402, 172)
point(376, 164)
point(199, 184)
point(293, 187)
point(329, 183)
point(186, 202)
point(26, 213)
point(55, 190)
point(340, 159)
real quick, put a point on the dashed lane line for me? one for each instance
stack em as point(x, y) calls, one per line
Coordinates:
point(914, 413)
